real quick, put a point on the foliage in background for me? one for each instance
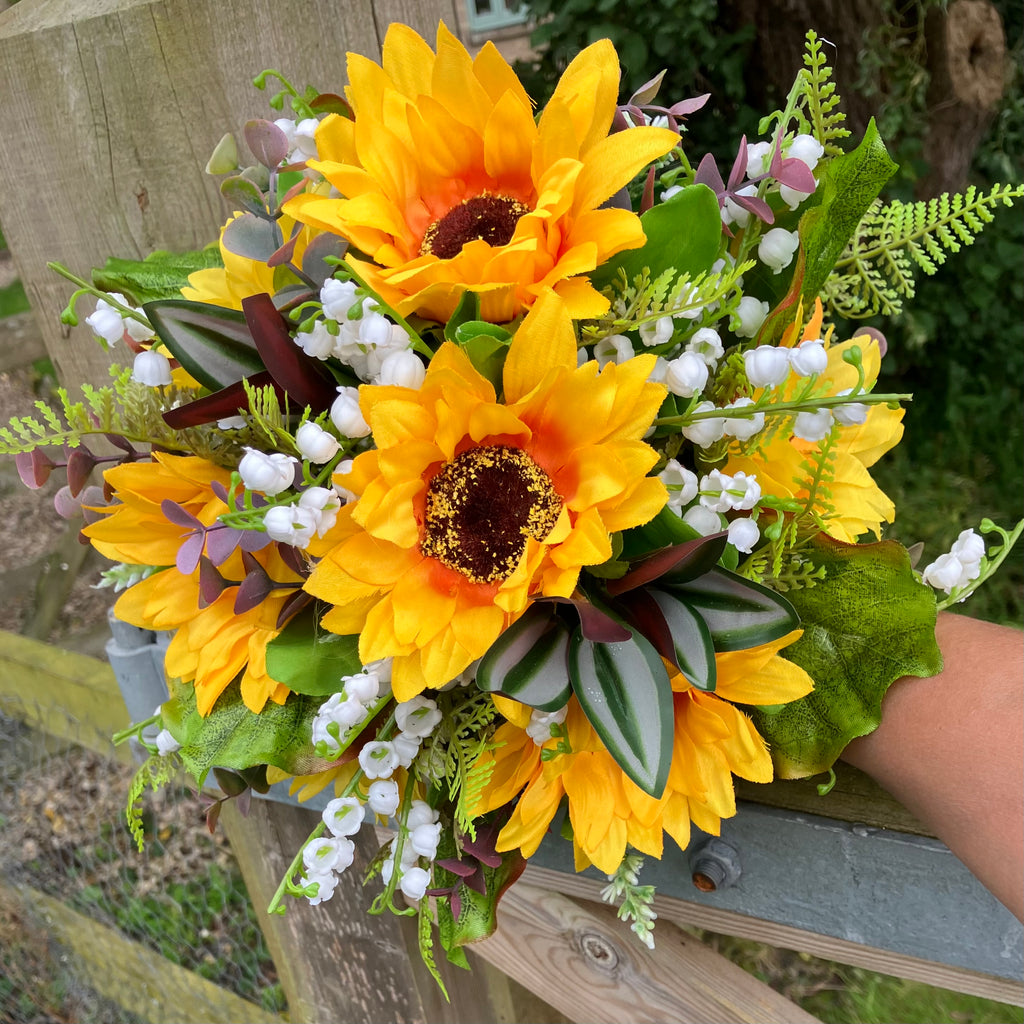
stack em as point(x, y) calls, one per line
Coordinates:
point(959, 347)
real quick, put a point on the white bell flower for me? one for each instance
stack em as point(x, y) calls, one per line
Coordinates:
point(417, 716)
point(706, 343)
point(324, 503)
point(687, 375)
point(756, 158)
point(423, 839)
point(414, 883)
point(337, 298)
point(383, 797)
point(346, 415)
point(269, 473)
point(290, 524)
point(808, 358)
point(317, 343)
point(343, 815)
point(166, 743)
point(420, 813)
point(703, 520)
point(151, 368)
point(403, 369)
point(743, 428)
point(705, 432)
point(807, 149)
point(766, 366)
point(106, 321)
point(681, 483)
point(744, 534)
point(326, 883)
point(378, 759)
point(945, 573)
point(539, 726)
point(777, 248)
point(406, 747)
point(315, 443)
point(658, 332)
point(851, 415)
point(616, 348)
point(813, 426)
point(750, 314)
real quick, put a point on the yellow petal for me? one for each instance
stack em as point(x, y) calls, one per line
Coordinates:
point(545, 340)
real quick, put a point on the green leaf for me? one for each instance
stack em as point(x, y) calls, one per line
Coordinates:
point(665, 530)
point(161, 275)
point(487, 347)
point(528, 662)
point(214, 344)
point(231, 736)
point(691, 639)
point(308, 659)
point(683, 233)
point(467, 310)
point(848, 186)
point(866, 624)
point(626, 694)
point(738, 612)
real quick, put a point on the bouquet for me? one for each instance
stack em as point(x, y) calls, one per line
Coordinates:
point(494, 505)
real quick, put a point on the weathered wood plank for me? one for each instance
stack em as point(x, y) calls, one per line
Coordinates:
point(68, 695)
point(728, 922)
point(589, 965)
point(141, 981)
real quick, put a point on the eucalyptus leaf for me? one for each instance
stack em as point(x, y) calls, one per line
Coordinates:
point(625, 692)
point(254, 238)
point(224, 158)
point(683, 233)
point(866, 624)
point(213, 344)
point(528, 662)
point(308, 659)
point(243, 194)
point(232, 736)
point(738, 612)
point(320, 248)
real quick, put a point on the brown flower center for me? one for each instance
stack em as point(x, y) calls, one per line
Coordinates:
point(491, 218)
point(482, 506)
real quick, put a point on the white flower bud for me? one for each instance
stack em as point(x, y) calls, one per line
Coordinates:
point(777, 248)
point(424, 839)
point(807, 149)
point(672, 190)
point(686, 375)
point(756, 154)
point(290, 524)
point(362, 686)
point(420, 813)
point(346, 415)
point(231, 423)
point(705, 432)
point(743, 428)
point(337, 298)
point(322, 855)
point(270, 474)
point(417, 716)
point(792, 197)
point(703, 520)
point(326, 883)
point(657, 333)
point(969, 547)
point(166, 743)
point(305, 137)
point(287, 125)
point(750, 314)
point(137, 330)
point(403, 369)
point(324, 503)
point(317, 343)
point(766, 365)
point(374, 330)
point(808, 358)
point(851, 415)
point(315, 443)
point(706, 343)
point(813, 426)
point(106, 322)
point(681, 483)
point(539, 726)
point(414, 883)
point(945, 573)
point(343, 815)
point(152, 368)
point(378, 759)
point(744, 534)
point(382, 797)
point(406, 747)
point(714, 491)
point(616, 348)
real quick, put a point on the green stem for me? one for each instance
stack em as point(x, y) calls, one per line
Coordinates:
point(134, 730)
point(85, 288)
point(781, 408)
point(417, 342)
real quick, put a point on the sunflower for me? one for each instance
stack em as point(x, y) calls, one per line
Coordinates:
point(213, 643)
point(448, 183)
point(241, 276)
point(713, 741)
point(858, 504)
point(469, 507)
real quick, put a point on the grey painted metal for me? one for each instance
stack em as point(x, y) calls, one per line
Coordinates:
point(876, 887)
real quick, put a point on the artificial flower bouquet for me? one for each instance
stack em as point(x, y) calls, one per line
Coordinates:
point(500, 508)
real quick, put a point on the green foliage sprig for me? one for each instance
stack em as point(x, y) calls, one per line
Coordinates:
point(153, 773)
point(875, 273)
point(636, 899)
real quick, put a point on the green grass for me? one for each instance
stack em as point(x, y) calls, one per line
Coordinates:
point(13, 300)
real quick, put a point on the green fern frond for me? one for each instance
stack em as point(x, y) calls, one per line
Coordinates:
point(876, 272)
point(154, 772)
point(424, 933)
point(820, 100)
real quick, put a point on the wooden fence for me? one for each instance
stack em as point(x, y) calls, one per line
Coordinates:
point(110, 109)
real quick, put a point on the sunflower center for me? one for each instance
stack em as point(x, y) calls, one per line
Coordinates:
point(482, 506)
point(491, 218)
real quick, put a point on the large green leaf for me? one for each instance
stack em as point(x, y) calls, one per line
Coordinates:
point(848, 187)
point(868, 623)
point(625, 692)
point(231, 736)
point(528, 662)
point(308, 659)
point(161, 275)
point(213, 344)
point(738, 612)
point(683, 233)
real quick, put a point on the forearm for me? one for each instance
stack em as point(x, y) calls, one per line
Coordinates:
point(951, 749)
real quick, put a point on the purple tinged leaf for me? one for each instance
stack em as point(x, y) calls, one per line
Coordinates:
point(243, 802)
point(701, 553)
point(646, 93)
point(795, 174)
point(255, 588)
point(455, 901)
point(301, 376)
point(332, 103)
point(739, 165)
point(598, 626)
point(229, 401)
point(284, 254)
point(266, 142)
point(708, 174)
point(34, 468)
point(643, 612)
point(121, 442)
point(297, 189)
point(243, 193)
point(323, 245)
point(221, 542)
point(457, 867)
point(292, 557)
point(213, 815)
point(647, 200)
point(477, 882)
point(254, 540)
point(486, 854)
point(758, 207)
point(187, 559)
point(690, 106)
point(80, 464)
point(619, 122)
point(211, 583)
point(293, 604)
point(180, 516)
point(220, 490)
point(231, 783)
point(252, 237)
point(66, 505)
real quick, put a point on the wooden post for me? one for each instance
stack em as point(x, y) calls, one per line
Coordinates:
point(111, 109)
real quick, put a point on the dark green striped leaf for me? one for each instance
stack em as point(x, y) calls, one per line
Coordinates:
point(691, 640)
